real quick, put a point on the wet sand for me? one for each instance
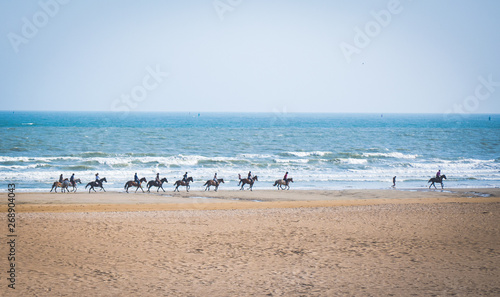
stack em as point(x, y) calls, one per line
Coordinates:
point(260, 243)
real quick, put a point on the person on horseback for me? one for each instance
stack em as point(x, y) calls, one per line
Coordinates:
point(61, 178)
point(185, 177)
point(438, 174)
point(72, 179)
point(249, 175)
point(157, 180)
point(136, 179)
point(286, 175)
point(215, 179)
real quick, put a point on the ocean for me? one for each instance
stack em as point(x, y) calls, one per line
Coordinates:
point(320, 151)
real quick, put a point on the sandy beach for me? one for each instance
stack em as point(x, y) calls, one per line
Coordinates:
point(260, 243)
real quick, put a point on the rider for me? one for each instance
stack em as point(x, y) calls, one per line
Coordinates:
point(61, 178)
point(185, 177)
point(157, 180)
point(249, 175)
point(438, 174)
point(72, 179)
point(136, 179)
point(215, 179)
point(97, 179)
point(286, 175)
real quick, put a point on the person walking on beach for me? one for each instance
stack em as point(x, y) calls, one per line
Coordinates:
point(394, 182)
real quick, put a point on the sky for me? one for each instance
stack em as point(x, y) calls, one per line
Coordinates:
point(365, 56)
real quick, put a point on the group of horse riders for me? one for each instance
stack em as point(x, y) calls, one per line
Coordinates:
point(280, 183)
point(158, 182)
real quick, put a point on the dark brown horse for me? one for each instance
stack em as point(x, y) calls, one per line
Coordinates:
point(132, 183)
point(152, 183)
point(279, 183)
point(245, 181)
point(181, 183)
point(211, 182)
point(96, 184)
point(438, 180)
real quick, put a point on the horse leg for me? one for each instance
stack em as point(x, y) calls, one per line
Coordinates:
point(187, 187)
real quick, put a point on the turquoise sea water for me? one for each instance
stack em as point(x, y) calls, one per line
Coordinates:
point(328, 151)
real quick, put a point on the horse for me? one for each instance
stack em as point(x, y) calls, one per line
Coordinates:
point(211, 182)
point(245, 181)
point(154, 183)
point(74, 186)
point(64, 186)
point(96, 184)
point(279, 183)
point(181, 183)
point(438, 180)
point(132, 183)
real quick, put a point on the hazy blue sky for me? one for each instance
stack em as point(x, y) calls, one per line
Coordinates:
point(251, 55)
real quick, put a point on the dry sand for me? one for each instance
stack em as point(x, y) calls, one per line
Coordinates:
point(293, 243)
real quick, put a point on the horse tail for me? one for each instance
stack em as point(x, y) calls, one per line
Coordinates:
point(275, 183)
point(125, 186)
point(206, 183)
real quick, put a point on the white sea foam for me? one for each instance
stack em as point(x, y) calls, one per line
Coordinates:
point(307, 154)
point(353, 161)
point(391, 155)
